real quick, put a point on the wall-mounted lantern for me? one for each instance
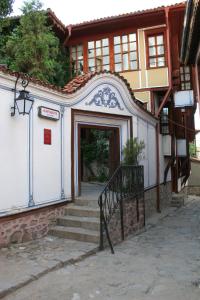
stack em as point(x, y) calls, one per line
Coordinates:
point(24, 101)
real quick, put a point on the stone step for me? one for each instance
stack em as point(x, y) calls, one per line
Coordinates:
point(82, 222)
point(75, 233)
point(82, 211)
point(87, 202)
point(177, 200)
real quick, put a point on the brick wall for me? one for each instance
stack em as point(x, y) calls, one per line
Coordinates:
point(28, 226)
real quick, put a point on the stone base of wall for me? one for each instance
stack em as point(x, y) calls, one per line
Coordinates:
point(28, 225)
point(133, 220)
point(192, 190)
point(151, 199)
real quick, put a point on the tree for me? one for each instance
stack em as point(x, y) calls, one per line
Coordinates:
point(132, 151)
point(5, 7)
point(33, 48)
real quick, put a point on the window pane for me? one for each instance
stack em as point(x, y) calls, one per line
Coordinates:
point(73, 49)
point(125, 47)
point(91, 62)
point(117, 48)
point(74, 55)
point(187, 86)
point(133, 55)
point(160, 50)
point(133, 46)
point(152, 51)
point(90, 45)
point(132, 37)
point(98, 44)
point(105, 42)
point(187, 70)
point(187, 77)
point(80, 65)
point(118, 58)
point(152, 62)
point(133, 65)
point(124, 39)
point(151, 41)
point(161, 61)
point(91, 53)
point(125, 62)
point(181, 69)
point(106, 67)
point(117, 40)
point(118, 67)
point(98, 52)
point(105, 51)
point(80, 48)
point(105, 60)
point(182, 77)
point(160, 40)
point(92, 69)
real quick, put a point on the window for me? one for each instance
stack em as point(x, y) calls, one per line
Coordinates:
point(156, 51)
point(164, 121)
point(185, 78)
point(76, 60)
point(98, 55)
point(125, 52)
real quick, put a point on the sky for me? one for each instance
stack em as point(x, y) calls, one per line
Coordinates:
point(76, 11)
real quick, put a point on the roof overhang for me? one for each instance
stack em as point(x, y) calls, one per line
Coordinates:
point(191, 33)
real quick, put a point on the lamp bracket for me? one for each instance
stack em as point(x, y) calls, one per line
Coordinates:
point(24, 84)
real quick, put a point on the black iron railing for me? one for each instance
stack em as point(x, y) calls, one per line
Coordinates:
point(127, 182)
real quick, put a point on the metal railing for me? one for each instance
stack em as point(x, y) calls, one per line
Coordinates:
point(127, 182)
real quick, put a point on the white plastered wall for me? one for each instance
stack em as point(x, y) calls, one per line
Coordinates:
point(44, 171)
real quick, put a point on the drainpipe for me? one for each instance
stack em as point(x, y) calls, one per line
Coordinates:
point(158, 167)
point(165, 98)
point(69, 28)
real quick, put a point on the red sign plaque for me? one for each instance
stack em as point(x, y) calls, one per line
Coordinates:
point(47, 136)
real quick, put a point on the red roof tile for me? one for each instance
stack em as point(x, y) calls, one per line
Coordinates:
point(75, 84)
point(34, 80)
point(135, 13)
point(79, 81)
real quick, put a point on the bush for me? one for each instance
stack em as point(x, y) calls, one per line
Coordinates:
point(132, 151)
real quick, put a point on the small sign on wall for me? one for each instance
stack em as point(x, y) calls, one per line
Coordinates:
point(48, 113)
point(47, 136)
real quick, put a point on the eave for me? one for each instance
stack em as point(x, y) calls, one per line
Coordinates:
point(191, 33)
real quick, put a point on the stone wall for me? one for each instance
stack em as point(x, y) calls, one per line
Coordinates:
point(29, 225)
point(133, 219)
point(151, 199)
point(192, 190)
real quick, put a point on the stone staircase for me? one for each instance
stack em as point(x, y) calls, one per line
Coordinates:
point(80, 222)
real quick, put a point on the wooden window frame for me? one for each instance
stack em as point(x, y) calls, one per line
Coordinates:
point(184, 82)
point(154, 33)
point(128, 51)
point(76, 61)
point(102, 55)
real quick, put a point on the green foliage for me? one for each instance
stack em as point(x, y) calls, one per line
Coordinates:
point(132, 151)
point(7, 25)
point(95, 148)
point(32, 47)
point(192, 149)
point(5, 7)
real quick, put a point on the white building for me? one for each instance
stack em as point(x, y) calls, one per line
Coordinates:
point(40, 152)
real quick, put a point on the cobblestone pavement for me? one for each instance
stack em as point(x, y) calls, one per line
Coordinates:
point(162, 263)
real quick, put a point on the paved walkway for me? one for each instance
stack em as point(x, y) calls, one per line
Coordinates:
point(162, 263)
point(23, 263)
